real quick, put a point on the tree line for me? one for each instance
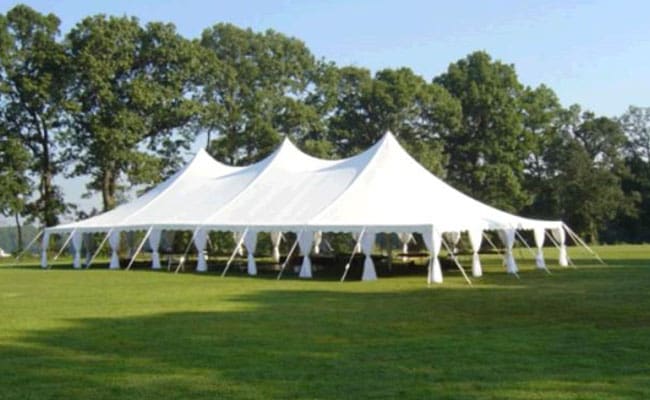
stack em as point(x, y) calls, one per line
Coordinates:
point(116, 101)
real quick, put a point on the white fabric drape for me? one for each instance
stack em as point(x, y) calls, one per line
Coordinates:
point(305, 242)
point(433, 241)
point(318, 238)
point(276, 238)
point(560, 237)
point(114, 242)
point(76, 242)
point(367, 244)
point(509, 241)
point(539, 242)
point(45, 241)
point(200, 240)
point(250, 241)
point(237, 236)
point(475, 239)
point(154, 243)
point(405, 238)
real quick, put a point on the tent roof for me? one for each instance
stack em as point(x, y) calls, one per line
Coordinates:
point(380, 189)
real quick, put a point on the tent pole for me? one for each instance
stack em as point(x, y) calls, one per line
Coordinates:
point(557, 245)
point(531, 251)
point(137, 251)
point(487, 238)
point(525, 243)
point(99, 248)
point(65, 244)
point(38, 235)
point(356, 245)
point(232, 256)
point(181, 263)
point(581, 242)
point(286, 260)
point(453, 257)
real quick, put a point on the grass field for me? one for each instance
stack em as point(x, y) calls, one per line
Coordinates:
point(580, 333)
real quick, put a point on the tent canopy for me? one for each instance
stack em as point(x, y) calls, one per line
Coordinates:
point(380, 189)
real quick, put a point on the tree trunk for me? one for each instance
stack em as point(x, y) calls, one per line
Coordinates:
point(593, 233)
point(19, 233)
point(49, 211)
point(108, 190)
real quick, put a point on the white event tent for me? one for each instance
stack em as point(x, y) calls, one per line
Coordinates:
point(382, 189)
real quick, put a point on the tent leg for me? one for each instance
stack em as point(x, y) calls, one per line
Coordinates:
point(356, 245)
point(232, 256)
point(557, 245)
point(38, 235)
point(460, 267)
point(99, 248)
point(530, 250)
point(181, 263)
point(137, 251)
point(577, 238)
point(286, 260)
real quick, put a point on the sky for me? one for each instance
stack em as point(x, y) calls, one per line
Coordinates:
point(594, 53)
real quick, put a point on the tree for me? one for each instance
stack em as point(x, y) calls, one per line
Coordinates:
point(253, 91)
point(587, 171)
point(420, 114)
point(487, 154)
point(33, 78)
point(635, 122)
point(131, 100)
point(542, 117)
point(636, 125)
point(15, 185)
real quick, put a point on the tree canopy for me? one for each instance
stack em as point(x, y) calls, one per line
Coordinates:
point(118, 102)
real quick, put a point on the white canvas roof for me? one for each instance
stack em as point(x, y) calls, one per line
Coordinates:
point(381, 189)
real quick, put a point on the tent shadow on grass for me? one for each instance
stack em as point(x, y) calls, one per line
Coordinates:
point(568, 342)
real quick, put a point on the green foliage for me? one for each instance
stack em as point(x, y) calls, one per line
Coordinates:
point(251, 89)
point(33, 76)
point(635, 227)
point(14, 182)
point(421, 115)
point(117, 102)
point(130, 101)
point(492, 139)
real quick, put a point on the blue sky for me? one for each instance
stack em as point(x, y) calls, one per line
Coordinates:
point(594, 53)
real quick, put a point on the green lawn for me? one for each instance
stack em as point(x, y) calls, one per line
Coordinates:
point(580, 333)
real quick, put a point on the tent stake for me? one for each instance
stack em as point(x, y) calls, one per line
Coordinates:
point(356, 245)
point(137, 251)
point(286, 260)
point(181, 263)
point(38, 235)
point(232, 256)
point(99, 248)
point(453, 257)
point(65, 244)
